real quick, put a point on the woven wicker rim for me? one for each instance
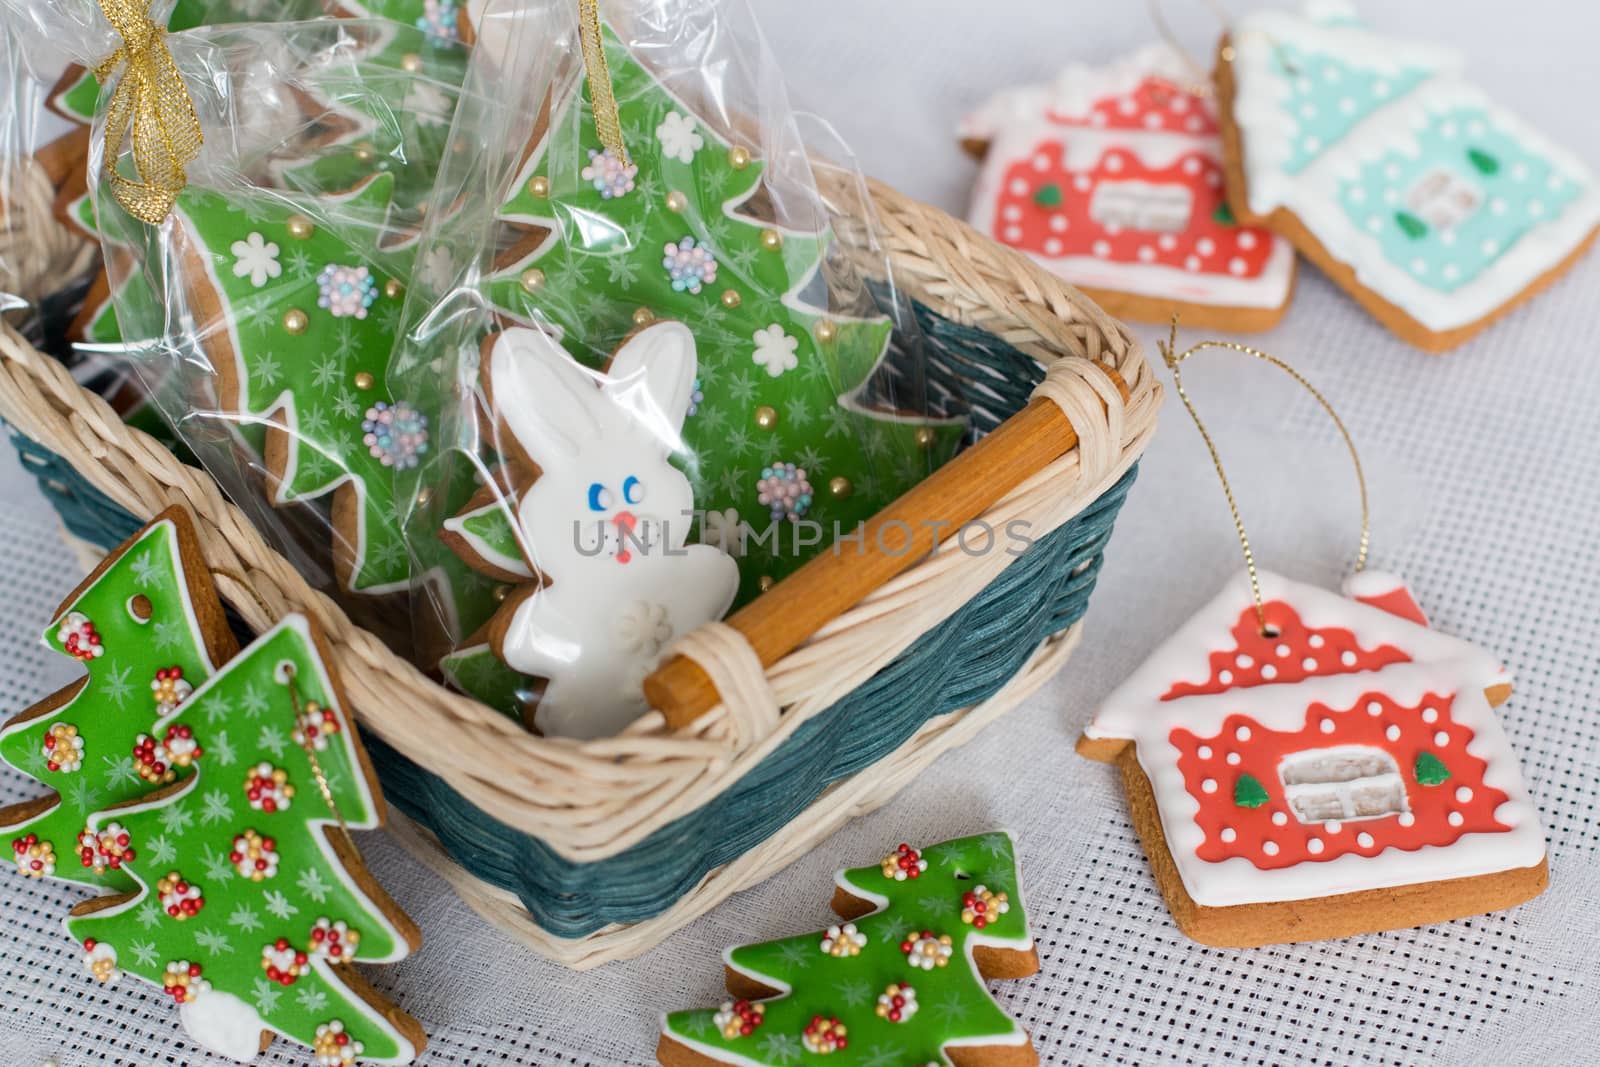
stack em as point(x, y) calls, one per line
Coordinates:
point(595, 799)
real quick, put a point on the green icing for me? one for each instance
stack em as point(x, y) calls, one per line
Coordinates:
point(605, 261)
point(1248, 792)
point(479, 673)
point(952, 1001)
point(1483, 162)
point(1048, 195)
point(312, 377)
point(1413, 227)
point(196, 823)
point(114, 704)
point(1430, 770)
point(1224, 215)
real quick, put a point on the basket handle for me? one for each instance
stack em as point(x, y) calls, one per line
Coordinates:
point(830, 583)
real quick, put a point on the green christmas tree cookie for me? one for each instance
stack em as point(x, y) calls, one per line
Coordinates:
point(148, 627)
point(297, 304)
point(251, 900)
point(780, 429)
point(898, 982)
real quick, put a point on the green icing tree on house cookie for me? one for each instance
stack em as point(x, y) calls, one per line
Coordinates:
point(898, 984)
point(147, 631)
point(777, 431)
point(249, 915)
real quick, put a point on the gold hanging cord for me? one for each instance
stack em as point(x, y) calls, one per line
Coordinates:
point(607, 124)
point(152, 100)
point(1170, 353)
point(310, 748)
point(1202, 72)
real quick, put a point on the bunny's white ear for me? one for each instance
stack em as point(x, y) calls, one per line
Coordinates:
point(652, 376)
point(542, 394)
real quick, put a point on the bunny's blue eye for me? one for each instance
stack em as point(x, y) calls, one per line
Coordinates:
point(599, 497)
point(632, 490)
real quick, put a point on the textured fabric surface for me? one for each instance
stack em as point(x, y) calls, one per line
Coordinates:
point(1485, 472)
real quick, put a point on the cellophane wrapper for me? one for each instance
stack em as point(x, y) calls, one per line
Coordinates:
point(262, 313)
point(659, 374)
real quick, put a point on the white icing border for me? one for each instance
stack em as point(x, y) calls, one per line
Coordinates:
point(318, 828)
point(1441, 664)
point(1018, 122)
point(1267, 131)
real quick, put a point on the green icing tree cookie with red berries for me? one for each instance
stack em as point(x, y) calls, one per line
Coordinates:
point(148, 628)
point(250, 915)
point(899, 981)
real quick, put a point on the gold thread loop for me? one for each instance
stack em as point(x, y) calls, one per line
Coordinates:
point(1170, 353)
point(151, 99)
point(1201, 85)
point(311, 751)
point(602, 98)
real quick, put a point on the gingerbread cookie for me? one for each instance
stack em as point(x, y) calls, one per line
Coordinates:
point(1342, 773)
point(603, 522)
point(898, 980)
point(1112, 178)
point(1438, 210)
point(148, 628)
point(251, 901)
point(297, 303)
point(789, 422)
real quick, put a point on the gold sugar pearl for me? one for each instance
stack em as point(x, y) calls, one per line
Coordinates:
point(502, 591)
point(840, 487)
point(731, 298)
point(364, 153)
point(771, 240)
point(643, 316)
point(766, 417)
point(392, 288)
point(364, 380)
point(926, 436)
point(410, 62)
point(532, 280)
point(738, 157)
point(676, 201)
point(300, 227)
point(539, 187)
point(295, 321)
point(765, 582)
point(424, 495)
point(826, 330)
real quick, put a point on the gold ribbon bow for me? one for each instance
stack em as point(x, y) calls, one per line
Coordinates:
point(607, 123)
point(151, 99)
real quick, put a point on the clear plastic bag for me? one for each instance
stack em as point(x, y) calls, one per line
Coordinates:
point(670, 379)
point(262, 311)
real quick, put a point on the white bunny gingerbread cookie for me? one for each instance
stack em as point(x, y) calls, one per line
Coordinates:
point(602, 525)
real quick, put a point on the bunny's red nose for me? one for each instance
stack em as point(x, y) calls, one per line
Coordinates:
point(626, 522)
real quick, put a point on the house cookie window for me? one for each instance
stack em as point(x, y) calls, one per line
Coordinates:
point(1348, 782)
point(1136, 205)
point(1442, 199)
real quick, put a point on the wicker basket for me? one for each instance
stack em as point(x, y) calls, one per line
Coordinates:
point(596, 851)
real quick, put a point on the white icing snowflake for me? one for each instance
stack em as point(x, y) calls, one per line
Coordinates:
point(434, 269)
point(775, 350)
point(722, 529)
point(610, 177)
point(256, 259)
point(679, 139)
point(644, 628)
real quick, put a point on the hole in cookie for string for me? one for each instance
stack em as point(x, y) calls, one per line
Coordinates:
point(1270, 631)
point(139, 608)
point(284, 672)
point(963, 876)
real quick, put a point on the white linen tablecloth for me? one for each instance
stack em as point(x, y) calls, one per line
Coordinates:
point(1485, 471)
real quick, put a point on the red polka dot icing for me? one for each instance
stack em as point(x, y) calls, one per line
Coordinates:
point(1378, 740)
point(1156, 103)
point(1289, 652)
point(1047, 206)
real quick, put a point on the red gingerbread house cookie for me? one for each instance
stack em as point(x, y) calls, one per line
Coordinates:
point(1113, 179)
point(1341, 773)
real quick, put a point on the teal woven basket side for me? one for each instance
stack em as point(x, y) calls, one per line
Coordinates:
point(963, 661)
point(85, 511)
